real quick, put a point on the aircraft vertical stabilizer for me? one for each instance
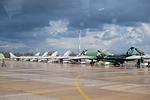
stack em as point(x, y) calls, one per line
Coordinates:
point(37, 54)
point(54, 54)
point(12, 55)
point(67, 53)
point(45, 54)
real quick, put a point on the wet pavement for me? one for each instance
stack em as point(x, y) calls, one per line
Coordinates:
point(48, 81)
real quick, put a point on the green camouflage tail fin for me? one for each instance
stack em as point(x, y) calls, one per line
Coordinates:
point(134, 51)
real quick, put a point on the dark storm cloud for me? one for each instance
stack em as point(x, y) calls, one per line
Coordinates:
point(19, 18)
point(3, 13)
point(36, 13)
point(33, 13)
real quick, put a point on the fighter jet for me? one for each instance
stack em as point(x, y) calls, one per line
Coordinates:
point(132, 54)
point(88, 56)
point(24, 58)
point(37, 58)
point(61, 59)
point(47, 58)
point(144, 58)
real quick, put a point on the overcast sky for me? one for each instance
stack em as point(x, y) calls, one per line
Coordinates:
point(40, 25)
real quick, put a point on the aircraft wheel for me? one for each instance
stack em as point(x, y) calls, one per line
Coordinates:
point(92, 63)
point(148, 65)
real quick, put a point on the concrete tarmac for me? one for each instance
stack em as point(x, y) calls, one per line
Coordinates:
point(48, 81)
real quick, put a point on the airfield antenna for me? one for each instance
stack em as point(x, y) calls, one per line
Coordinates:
point(80, 41)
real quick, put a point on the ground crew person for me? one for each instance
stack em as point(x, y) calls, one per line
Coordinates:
point(3, 63)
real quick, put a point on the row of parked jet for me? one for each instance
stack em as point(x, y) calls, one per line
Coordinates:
point(88, 56)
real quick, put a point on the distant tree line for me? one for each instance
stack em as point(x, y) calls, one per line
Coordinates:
point(6, 54)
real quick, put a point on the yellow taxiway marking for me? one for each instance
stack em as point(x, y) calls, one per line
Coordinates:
point(77, 85)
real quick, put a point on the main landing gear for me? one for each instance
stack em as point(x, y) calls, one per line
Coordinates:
point(92, 63)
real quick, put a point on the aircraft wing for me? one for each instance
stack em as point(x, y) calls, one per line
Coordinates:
point(134, 57)
point(118, 59)
point(79, 57)
point(47, 57)
point(61, 57)
point(146, 56)
point(27, 57)
point(52, 57)
point(115, 57)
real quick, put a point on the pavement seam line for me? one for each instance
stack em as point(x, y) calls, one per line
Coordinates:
point(77, 86)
